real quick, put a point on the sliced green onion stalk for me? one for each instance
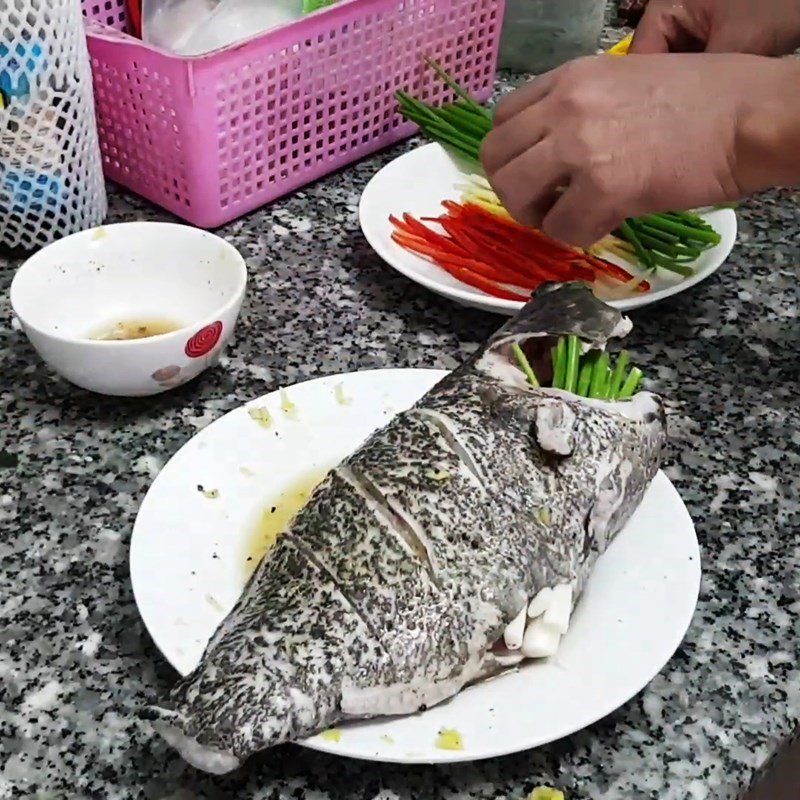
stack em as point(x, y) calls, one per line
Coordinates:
point(631, 384)
point(469, 101)
point(585, 378)
point(670, 240)
point(524, 364)
point(559, 363)
point(594, 374)
point(618, 374)
point(460, 126)
point(599, 382)
point(573, 360)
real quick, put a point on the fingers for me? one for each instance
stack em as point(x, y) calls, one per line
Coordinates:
point(530, 184)
point(650, 35)
point(663, 30)
point(508, 141)
point(725, 38)
point(580, 217)
point(520, 99)
point(649, 40)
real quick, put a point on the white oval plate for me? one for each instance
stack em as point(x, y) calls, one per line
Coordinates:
point(417, 182)
point(189, 550)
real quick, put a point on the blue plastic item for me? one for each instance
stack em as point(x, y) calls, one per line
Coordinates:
point(27, 190)
point(18, 68)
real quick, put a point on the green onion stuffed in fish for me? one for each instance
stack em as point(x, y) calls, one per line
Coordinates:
point(450, 546)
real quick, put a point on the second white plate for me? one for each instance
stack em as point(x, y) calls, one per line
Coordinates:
point(417, 182)
point(199, 523)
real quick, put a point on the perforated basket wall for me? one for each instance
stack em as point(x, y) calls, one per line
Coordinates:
point(51, 180)
point(213, 137)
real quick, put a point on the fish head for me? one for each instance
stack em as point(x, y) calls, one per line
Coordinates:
point(638, 429)
point(605, 453)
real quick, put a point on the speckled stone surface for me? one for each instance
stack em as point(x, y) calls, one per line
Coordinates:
point(76, 664)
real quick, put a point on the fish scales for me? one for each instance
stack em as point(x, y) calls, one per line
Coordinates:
point(469, 531)
point(300, 636)
point(543, 502)
point(384, 580)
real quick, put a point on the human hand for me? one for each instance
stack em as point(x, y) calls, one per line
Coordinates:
point(600, 139)
point(760, 27)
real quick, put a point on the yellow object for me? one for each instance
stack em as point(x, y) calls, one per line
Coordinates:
point(449, 739)
point(438, 475)
point(621, 48)
point(332, 735)
point(261, 416)
point(545, 793)
point(287, 406)
point(341, 398)
point(494, 208)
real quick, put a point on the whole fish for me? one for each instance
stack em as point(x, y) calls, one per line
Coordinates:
point(408, 574)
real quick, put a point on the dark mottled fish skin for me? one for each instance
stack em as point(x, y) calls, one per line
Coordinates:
point(561, 310)
point(353, 544)
point(287, 661)
point(464, 528)
point(542, 502)
point(389, 589)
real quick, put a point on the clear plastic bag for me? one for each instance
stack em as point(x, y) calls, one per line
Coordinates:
point(169, 24)
point(539, 35)
point(194, 27)
point(51, 179)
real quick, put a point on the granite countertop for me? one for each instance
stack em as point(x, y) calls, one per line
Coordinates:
point(76, 665)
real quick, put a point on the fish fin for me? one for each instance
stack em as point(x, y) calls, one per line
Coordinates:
point(209, 759)
point(420, 694)
point(611, 494)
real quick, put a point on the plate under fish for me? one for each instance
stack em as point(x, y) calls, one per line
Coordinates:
point(212, 505)
point(417, 183)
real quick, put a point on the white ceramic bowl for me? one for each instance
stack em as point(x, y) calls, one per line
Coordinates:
point(135, 272)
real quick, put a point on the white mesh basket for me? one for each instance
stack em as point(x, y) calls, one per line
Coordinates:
point(51, 181)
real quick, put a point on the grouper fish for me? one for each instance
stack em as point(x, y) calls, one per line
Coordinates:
point(408, 573)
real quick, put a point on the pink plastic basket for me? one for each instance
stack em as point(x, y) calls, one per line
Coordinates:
point(213, 137)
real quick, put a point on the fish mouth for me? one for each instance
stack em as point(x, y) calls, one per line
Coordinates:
point(556, 314)
point(566, 309)
point(208, 759)
point(537, 349)
point(502, 364)
point(500, 361)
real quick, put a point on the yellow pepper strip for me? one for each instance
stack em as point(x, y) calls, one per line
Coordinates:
point(621, 48)
point(494, 208)
point(546, 793)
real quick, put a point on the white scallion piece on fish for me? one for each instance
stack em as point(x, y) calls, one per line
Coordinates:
point(393, 588)
point(541, 639)
point(540, 603)
point(559, 609)
point(516, 630)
